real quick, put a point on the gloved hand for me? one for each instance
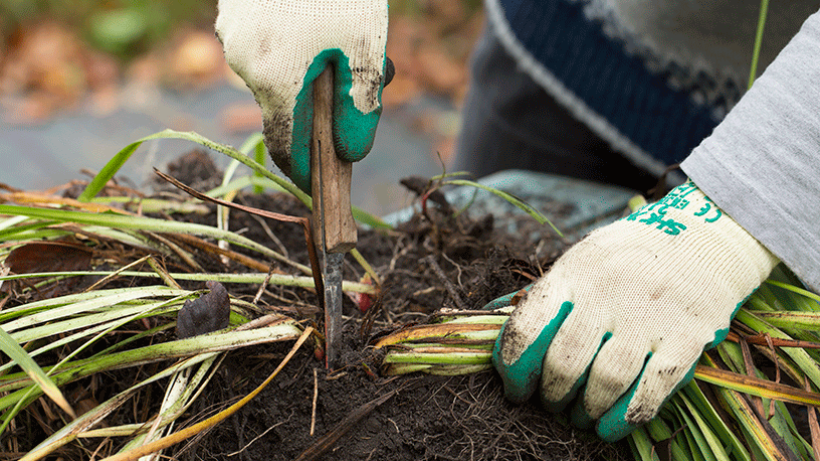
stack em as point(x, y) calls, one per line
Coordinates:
point(280, 46)
point(619, 322)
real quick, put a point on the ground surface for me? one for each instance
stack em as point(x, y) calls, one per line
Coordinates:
point(400, 418)
point(429, 262)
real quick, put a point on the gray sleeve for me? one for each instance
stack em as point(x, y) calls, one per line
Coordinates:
point(762, 163)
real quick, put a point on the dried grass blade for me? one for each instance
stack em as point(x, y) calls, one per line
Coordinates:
point(196, 194)
point(801, 357)
point(814, 427)
point(143, 223)
point(432, 332)
point(755, 428)
point(326, 442)
point(756, 386)
point(761, 340)
point(254, 278)
point(304, 222)
point(177, 437)
point(215, 249)
point(73, 430)
point(750, 369)
point(100, 283)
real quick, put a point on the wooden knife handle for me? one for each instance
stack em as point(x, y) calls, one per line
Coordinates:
point(330, 176)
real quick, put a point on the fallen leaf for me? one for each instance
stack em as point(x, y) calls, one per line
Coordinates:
point(33, 258)
point(37, 257)
point(210, 312)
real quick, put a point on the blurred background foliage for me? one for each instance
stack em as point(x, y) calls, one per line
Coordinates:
point(124, 28)
point(99, 55)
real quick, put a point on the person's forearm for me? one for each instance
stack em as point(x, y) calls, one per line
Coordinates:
point(762, 163)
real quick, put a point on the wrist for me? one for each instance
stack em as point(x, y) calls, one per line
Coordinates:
point(700, 230)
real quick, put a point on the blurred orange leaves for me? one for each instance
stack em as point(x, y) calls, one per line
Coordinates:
point(430, 50)
point(48, 66)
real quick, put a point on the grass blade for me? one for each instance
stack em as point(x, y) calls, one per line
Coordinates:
point(172, 439)
point(756, 386)
point(710, 416)
point(794, 289)
point(642, 446)
point(761, 22)
point(541, 219)
point(10, 347)
point(250, 278)
point(213, 342)
point(116, 162)
point(72, 430)
point(146, 224)
point(785, 319)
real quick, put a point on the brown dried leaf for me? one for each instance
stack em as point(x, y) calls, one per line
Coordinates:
point(49, 257)
point(211, 312)
point(40, 199)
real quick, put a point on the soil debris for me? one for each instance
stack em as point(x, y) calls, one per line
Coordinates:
point(432, 261)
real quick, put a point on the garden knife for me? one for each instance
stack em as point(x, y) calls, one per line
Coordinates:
point(334, 229)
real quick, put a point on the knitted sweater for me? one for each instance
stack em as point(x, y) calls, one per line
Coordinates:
point(655, 78)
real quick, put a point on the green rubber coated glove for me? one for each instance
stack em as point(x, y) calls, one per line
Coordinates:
point(279, 47)
point(618, 323)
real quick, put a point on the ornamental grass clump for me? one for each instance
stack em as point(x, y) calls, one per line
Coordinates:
point(70, 311)
point(735, 409)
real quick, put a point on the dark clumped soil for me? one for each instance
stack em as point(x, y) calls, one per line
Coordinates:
point(430, 262)
point(404, 418)
point(360, 415)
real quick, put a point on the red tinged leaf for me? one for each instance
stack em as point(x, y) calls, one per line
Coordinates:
point(49, 257)
point(363, 301)
point(37, 257)
point(319, 353)
point(814, 427)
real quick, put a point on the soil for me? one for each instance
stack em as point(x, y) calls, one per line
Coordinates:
point(430, 262)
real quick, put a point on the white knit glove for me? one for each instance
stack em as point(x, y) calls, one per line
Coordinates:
point(280, 46)
point(621, 319)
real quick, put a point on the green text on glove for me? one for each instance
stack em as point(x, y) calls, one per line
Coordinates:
point(654, 214)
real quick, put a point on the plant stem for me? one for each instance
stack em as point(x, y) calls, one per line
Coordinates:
point(761, 23)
